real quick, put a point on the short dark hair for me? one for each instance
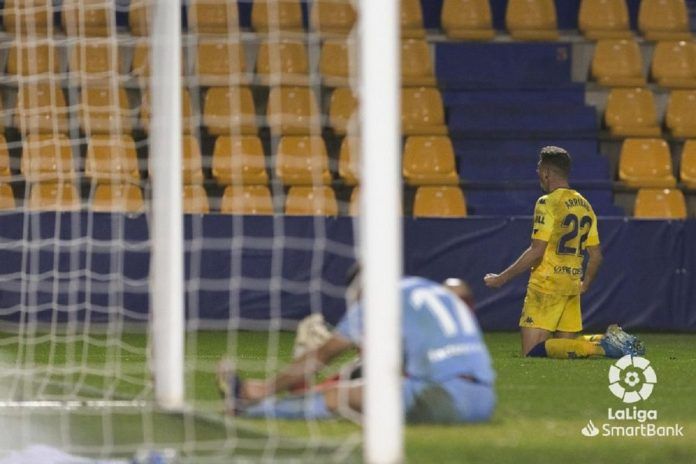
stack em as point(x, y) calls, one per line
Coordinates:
point(557, 158)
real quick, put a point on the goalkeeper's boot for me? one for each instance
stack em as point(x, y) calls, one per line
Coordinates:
point(229, 386)
point(617, 343)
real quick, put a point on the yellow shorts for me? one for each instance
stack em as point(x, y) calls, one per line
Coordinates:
point(551, 312)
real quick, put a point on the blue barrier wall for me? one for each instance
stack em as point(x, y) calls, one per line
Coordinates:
point(101, 264)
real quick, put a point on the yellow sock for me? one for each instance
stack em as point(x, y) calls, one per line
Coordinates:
point(569, 348)
point(590, 338)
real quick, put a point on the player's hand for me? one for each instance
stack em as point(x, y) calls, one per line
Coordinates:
point(494, 280)
point(254, 390)
point(584, 285)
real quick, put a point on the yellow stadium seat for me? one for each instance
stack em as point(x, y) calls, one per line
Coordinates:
point(348, 160)
point(95, 60)
point(41, 109)
point(293, 111)
point(5, 171)
point(663, 20)
point(687, 170)
point(118, 198)
point(343, 111)
point(680, 118)
point(429, 160)
point(422, 112)
point(335, 63)
point(139, 18)
point(302, 160)
point(195, 200)
point(660, 204)
point(411, 20)
point(646, 163)
point(54, 196)
point(434, 201)
point(332, 17)
point(239, 160)
point(220, 63)
point(140, 64)
point(276, 15)
point(618, 63)
point(88, 18)
point(213, 17)
point(105, 112)
point(229, 110)
point(2, 119)
point(189, 121)
point(192, 161)
point(282, 62)
point(311, 201)
point(531, 20)
point(604, 19)
point(354, 206)
point(112, 159)
point(631, 113)
point(416, 64)
point(28, 17)
point(674, 64)
point(467, 20)
point(7, 200)
point(33, 59)
point(47, 157)
point(247, 199)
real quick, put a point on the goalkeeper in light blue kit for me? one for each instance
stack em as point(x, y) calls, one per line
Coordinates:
point(448, 376)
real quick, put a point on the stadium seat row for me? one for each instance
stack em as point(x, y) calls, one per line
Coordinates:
point(217, 62)
point(648, 163)
point(536, 19)
point(631, 112)
point(430, 201)
point(204, 16)
point(619, 63)
point(461, 19)
point(41, 108)
point(239, 160)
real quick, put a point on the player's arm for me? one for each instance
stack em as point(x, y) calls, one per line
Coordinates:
point(296, 372)
point(531, 257)
point(594, 261)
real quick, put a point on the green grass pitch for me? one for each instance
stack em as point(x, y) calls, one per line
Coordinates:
point(542, 406)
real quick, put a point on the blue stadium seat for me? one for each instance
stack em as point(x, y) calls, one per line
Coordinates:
point(522, 121)
point(566, 95)
point(593, 169)
point(520, 202)
point(465, 65)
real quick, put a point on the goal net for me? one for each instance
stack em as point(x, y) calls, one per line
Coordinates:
point(100, 355)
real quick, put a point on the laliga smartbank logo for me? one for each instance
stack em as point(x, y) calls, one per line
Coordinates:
point(632, 379)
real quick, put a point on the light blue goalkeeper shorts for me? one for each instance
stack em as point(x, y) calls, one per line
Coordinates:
point(448, 402)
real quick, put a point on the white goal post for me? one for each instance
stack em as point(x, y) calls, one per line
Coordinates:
point(167, 266)
point(380, 228)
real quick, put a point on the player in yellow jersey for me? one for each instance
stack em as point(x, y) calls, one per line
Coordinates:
point(564, 229)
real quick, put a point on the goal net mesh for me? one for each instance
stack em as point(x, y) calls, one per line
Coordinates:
point(269, 196)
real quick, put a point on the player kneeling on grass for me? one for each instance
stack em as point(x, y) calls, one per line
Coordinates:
point(448, 376)
point(564, 229)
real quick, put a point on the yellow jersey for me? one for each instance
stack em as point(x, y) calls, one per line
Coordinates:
point(565, 220)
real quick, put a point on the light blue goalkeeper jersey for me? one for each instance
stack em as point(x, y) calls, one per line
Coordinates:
point(441, 338)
